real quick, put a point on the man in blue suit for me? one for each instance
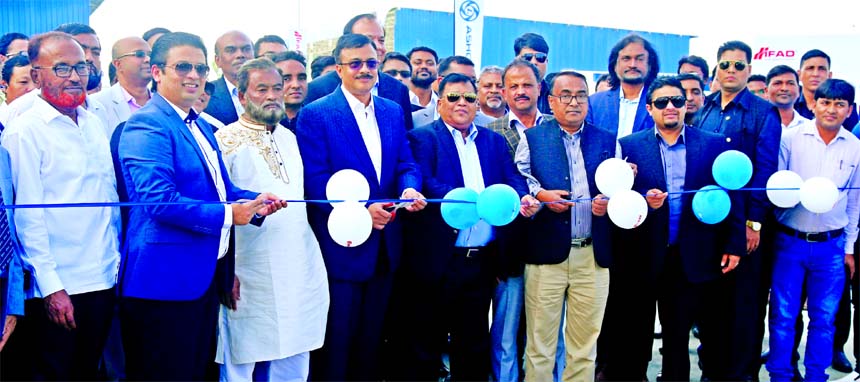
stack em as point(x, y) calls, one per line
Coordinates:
point(385, 87)
point(450, 273)
point(169, 305)
point(232, 49)
point(352, 129)
point(633, 64)
point(11, 275)
point(672, 258)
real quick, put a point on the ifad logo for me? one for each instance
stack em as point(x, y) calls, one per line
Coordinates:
point(469, 10)
point(766, 53)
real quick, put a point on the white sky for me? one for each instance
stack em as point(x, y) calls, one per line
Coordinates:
point(321, 19)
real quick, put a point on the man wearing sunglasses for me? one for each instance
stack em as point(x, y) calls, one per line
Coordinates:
point(450, 273)
point(353, 129)
point(672, 258)
point(386, 86)
point(397, 65)
point(59, 154)
point(567, 265)
point(533, 48)
point(449, 65)
point(232, 49)
point(131, 59)
point(753, 127)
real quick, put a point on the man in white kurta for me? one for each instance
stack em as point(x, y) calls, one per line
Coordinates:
point(279, 313)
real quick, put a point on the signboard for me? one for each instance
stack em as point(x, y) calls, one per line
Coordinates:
point(468, 29)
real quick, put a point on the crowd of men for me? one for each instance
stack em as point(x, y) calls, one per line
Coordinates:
point(208, 273)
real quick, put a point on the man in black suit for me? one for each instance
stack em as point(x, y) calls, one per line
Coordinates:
point(232, 49)
point(386, 87)
point(672, 257)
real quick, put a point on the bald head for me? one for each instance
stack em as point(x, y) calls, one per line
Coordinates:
point(232, 49)
point(128, 45)
point(131, 58)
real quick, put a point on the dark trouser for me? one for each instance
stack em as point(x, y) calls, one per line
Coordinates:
point(45, 351)
point(169, 340)
point(457, 304)
point(354, 329)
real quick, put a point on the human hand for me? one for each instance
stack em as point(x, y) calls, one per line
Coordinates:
point(380, 216)
point(599, 204)
point(655, 198)
point(529, 206)
point(60, 310)
point(271, 204)
point(729, 262)
point(419, 203)
point(555, 196)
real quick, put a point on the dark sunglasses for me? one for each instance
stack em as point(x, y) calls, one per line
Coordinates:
point(357, 64)
point(136, 53)
point(454, 97)
point(183, 68)
point(540, 57)
point(402, 73)
point(661, 103)
point(739, 65)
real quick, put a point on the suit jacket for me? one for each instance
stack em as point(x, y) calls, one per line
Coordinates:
point(221, 103)
point(329, 141)
point(171, 253)
point(423, 117)
point(430, 241)
point(603, 111)
point(512, 137)
point(757, 134)
point(389, 88)
point(550, 232)
point(12, 280)
point(116, 107)
point(701, 245)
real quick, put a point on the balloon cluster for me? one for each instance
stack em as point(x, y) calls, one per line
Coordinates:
point(349, 223)
point(626, 208)
point(497, 205)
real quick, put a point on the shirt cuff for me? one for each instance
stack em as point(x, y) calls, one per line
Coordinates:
point(48, 282)
point(228, 216)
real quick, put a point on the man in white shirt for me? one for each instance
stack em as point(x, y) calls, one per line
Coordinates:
point(59, 154)
point(783, 91)
point(280, 273)
point(131, 59)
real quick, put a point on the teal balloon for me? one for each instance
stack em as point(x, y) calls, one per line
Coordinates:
point(732, 169)
point(711, 204)
point(498, 204)
point(460, 215)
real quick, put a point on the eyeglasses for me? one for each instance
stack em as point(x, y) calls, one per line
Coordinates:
point(540, 57)
point(136, 53)
point(454, 97)
point(739, 65)
point(357, 64)
point(661, 103)
point(183, 68)
point(65, 70)
point(567, 98)
point(402, 73)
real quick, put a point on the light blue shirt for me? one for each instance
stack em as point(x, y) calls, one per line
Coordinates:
point(674, 170)
point(473, 178)
point(803, 151)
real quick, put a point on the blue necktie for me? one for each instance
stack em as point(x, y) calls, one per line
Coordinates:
point(6, 249)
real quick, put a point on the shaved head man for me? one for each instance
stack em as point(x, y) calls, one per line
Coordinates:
point(232, 50)
point(130, 56)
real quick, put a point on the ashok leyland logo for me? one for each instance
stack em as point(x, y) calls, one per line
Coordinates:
point(469, 10)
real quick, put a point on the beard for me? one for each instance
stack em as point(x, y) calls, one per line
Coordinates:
point(423, 83)
point(95, 78)
point(259, 113)
point(633, 81)
point(64, 100)
point(672, 125)
point(495, 103)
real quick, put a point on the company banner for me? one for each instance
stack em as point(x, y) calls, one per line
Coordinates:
point(469, 29)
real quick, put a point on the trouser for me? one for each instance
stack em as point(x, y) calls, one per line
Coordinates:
point(821, 267)
point(508, 305)
point(290, 369)
point(50, 352)
point(169, 340)
point(584, 286)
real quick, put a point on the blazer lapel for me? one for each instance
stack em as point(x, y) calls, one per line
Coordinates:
point(655, 165)
point(612, 110)
point(449, 151)
point(175, 123)
point(641, 113)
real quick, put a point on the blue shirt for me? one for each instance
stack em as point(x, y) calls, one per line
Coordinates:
point(473, 178)
point(674, 170)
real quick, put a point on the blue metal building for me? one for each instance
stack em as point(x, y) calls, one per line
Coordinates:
point(570, 46)
point(37, 16)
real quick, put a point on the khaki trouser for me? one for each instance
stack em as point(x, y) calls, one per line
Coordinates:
point(585, 285)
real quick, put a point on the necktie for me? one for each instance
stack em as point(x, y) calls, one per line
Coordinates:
point(5, 238)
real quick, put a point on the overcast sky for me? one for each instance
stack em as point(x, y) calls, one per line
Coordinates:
point(321, 19)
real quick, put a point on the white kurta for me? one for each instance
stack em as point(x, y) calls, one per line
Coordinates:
point(284, 299)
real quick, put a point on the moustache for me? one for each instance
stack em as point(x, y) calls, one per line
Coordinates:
point(364, 77)
point(522, 97)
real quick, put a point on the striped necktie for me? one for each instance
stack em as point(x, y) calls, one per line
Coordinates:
point(6, 249)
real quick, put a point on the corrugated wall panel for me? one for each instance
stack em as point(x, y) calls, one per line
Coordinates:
point(570, 46)
point(38, 16)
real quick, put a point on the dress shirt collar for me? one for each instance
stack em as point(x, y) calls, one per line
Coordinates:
point(742, 99)
point(355, 104)
point(795, 122)
point(680, 136)
point(622, 99)
point(182, 114)
point(231, 88)
point(473, 132)
point(48, 113)
point(809, 128)
point(564, 133)
point(513, 117)
point(129, 99)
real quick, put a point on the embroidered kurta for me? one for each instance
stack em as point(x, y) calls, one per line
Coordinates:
point(284, 289)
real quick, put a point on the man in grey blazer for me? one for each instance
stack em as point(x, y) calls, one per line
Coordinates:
point(130, 56)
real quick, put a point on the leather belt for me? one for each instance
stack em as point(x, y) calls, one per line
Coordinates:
point(580, 243)
point(469, 252)
point(811, 237)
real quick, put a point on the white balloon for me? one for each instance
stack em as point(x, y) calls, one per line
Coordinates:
point(348, 185)
point(627, 209)
point(784, 179)
point(613, 175)
point(350, 224)
point(819, 194)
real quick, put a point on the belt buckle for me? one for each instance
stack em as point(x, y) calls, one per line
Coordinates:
point(470, 251)
point(578, 243)
point(810, 237)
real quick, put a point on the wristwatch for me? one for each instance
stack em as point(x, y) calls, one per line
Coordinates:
point(756, 226)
